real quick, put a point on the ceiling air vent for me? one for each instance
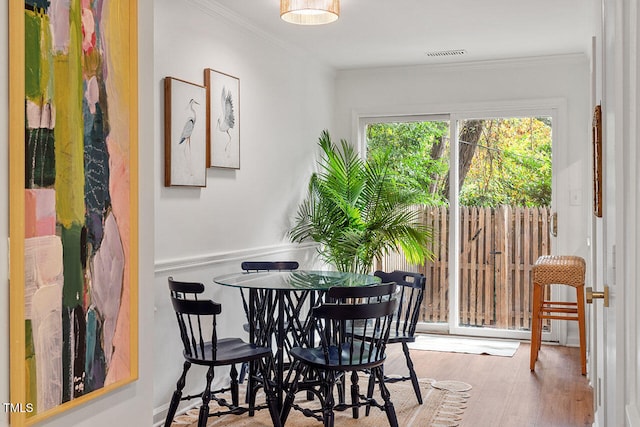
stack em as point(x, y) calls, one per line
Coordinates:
point(449, 52)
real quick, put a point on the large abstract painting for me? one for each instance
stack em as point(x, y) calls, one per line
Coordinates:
point(73, 136)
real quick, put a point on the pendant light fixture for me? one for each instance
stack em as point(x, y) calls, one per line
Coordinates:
point(309, 12)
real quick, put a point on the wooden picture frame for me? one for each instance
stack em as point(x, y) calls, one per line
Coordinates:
point(185, 133)
point(223, 119)
point(73, 183)
point(597, 160)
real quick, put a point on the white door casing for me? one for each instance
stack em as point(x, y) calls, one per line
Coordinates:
point(617, 357)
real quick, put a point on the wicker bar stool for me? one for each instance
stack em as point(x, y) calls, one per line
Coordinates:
point(558, 270)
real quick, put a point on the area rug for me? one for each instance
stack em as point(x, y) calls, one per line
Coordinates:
point(443, 405)
point(457, 344)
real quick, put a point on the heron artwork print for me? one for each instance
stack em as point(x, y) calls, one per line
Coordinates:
point(223, 103)
point(185, 133)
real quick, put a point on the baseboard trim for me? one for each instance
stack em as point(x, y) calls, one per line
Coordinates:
point(160, 413)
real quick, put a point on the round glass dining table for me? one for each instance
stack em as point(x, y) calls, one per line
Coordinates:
point(297, 280)
point(279, 306)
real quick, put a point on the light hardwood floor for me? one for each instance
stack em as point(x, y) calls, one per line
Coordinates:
point(505, 392)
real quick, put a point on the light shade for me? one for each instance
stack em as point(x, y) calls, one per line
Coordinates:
point(309, 12)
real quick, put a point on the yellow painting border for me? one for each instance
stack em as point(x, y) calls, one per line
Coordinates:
point(17, 363)
point(17, 376)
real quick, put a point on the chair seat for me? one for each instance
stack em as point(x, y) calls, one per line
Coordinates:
point(229, 350)
point(559, 269)
point(342, 360)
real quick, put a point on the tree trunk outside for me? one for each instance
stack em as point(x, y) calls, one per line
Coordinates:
point(468, 142)
point(437, 150)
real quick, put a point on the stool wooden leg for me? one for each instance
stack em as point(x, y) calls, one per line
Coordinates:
point(540, 320)
point(581, 329)
point(561, 270)
point(535, 325)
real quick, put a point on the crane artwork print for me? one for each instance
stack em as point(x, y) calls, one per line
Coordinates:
point(223, 120)
point(187, 130)
point(227, 120)
point(185, 133)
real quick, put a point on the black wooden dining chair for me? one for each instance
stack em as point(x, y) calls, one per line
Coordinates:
point(197, 325)
point(411, 288)
point(352, 339)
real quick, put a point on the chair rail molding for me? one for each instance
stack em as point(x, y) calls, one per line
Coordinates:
point(206, 260)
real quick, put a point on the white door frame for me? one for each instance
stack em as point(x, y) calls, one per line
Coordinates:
point(617, 366)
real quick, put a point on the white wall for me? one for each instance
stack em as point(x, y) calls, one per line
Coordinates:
point(286, 100)
point(131, 404)
point(560, 80)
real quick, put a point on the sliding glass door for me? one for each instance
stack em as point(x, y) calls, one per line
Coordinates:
point(419, 148)
point(493, 209)
point(504, 200)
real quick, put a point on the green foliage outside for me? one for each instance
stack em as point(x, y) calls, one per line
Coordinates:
point(410, 145)
point(511, 163)
point(514, 169)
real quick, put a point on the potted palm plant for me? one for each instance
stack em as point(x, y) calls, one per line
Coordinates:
point(357, 213)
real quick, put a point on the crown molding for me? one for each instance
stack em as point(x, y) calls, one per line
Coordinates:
point(215, 9)
point(568, 58)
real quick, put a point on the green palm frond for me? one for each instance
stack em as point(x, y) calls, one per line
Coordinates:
point(357, 214)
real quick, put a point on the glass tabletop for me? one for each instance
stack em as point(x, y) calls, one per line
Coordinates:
point(295, 280)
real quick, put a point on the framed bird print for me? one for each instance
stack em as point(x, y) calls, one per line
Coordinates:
point(185, 133)
point(223, 119)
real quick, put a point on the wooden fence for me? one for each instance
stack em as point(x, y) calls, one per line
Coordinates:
point(498, 247)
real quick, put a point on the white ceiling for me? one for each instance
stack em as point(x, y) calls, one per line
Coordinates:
point(374, 33)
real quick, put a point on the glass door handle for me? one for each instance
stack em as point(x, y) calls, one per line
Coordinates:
point(554, 224)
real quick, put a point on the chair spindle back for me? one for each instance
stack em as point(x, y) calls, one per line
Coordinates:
point(355, 328)
point(193, 316)
point(411, 293)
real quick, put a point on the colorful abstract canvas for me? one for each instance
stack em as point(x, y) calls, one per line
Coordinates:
point(79, 199)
